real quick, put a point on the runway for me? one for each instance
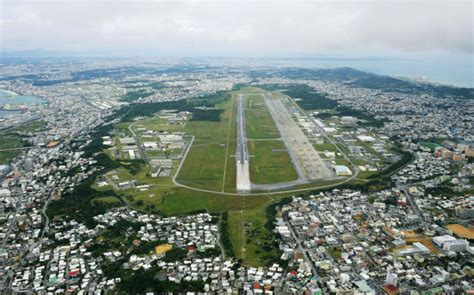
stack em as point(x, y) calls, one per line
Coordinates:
point(242, 155)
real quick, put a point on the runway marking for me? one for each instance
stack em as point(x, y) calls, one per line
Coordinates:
point(243, 174)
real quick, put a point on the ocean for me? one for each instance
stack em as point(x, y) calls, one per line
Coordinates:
point(454, 71)
point(7, 97)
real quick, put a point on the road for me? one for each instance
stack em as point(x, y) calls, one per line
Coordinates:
point(303, 250)
point(6, 282)
point(413, 204)
point(18, 148)
point(182, 162)
point(143, 154)
point(46, 218)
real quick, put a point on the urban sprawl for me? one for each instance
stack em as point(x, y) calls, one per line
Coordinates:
point(396, 215)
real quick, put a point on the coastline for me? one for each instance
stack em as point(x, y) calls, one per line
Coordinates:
point(8, 97)
point(9, 92)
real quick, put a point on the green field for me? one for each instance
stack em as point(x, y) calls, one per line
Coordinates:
point(12, 139)
point(206, 163)
point(259, 123)
point(270, 162)
point(251, 241)
point(204, 166)
point(30, 127)
point(325, 147)
point(430, 145)
point(9, 141)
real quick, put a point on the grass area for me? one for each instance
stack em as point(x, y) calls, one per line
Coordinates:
point(251, 241)
point(430, 145)
point(270, 162)
point(155, 153)
point(9, 141)
point(229, 181)
point(359, 162)
point(179, 200)
point(259, 122)
point(366, 174)
point(30, 127)
point(205, 166)
point(343, 162)
point(237, 237)
point(325, 147)
point(335, 252)
point(343, 148)
point(158, 124)
point(135, 95)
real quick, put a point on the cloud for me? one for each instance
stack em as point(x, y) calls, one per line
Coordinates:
point(238, 27)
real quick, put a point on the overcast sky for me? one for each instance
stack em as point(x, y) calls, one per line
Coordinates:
point(239, 28)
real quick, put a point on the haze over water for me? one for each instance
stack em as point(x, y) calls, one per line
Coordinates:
point(450, 71)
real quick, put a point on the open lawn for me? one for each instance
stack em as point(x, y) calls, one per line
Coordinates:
point(325, 147)
point(342, 161)
point(9, 141)
point(430, 145)
point(251, 241)
point(259, 123)
point(206, 163)
point(359, 162)
point(270, 162)
point(204, 166)
point(29, 127)
point(179, 200)
point(229, 180)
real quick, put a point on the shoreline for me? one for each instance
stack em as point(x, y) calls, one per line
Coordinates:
point(9, 92)
point(10, 96)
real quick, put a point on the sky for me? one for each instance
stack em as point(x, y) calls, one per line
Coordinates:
point(239, 28)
